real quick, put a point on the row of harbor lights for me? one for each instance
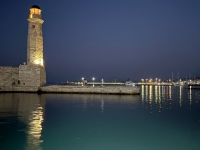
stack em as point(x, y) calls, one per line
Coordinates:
point(92, 79)
point(151, 80)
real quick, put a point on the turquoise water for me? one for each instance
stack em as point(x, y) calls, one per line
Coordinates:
point(161, 118)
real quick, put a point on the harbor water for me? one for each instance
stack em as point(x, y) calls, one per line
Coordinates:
point(160, 118)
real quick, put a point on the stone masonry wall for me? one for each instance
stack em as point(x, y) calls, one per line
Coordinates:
point(35, 41)
point(32, 75)
point(129, 90)
point(42, 76)
point(9, 76)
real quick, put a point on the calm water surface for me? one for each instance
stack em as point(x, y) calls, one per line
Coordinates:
point(161, 118)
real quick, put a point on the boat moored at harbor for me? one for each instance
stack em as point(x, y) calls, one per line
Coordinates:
point(129, 83)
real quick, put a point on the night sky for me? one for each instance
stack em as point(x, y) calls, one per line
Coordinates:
point(114, 39)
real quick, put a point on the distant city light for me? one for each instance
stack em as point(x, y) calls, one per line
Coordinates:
point(93, 80)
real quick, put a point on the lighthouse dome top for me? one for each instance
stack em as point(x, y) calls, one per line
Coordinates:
point(35, 6)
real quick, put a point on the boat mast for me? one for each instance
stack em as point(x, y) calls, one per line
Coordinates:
point(178, 76)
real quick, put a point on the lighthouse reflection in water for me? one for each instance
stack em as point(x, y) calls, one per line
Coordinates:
point(162, 117)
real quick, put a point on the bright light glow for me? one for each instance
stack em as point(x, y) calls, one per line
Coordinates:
point(35, 11)
point(150, 80)
point(93, 80)
point(34, 129)
point(38, 62)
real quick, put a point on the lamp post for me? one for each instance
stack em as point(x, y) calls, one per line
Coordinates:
point(82, 81)
point(93, 80)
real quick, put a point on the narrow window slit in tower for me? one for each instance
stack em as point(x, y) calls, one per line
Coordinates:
point(33, 26)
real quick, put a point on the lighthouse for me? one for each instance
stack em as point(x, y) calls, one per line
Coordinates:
point(30, 76)
point(35, 38)
point(33, 73)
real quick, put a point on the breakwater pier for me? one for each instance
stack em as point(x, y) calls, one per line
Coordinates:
point(90, 89)
point(120, 90)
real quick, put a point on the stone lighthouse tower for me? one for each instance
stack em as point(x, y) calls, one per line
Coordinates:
point(35, 39)
point(30, 76)
point(33, 74)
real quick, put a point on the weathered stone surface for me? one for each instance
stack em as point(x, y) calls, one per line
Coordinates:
point(122, 90)
point(19, 89)
point(91, 89)
point(32, 75)
point(8, 76)
point(35, 41)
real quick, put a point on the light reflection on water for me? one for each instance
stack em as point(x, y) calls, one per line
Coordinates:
point(86, 101)
point(70, 121)
point(28, 108)
point(164, 96)
point(34, 129)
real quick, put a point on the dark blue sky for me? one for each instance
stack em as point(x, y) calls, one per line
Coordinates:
point(105, 38)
